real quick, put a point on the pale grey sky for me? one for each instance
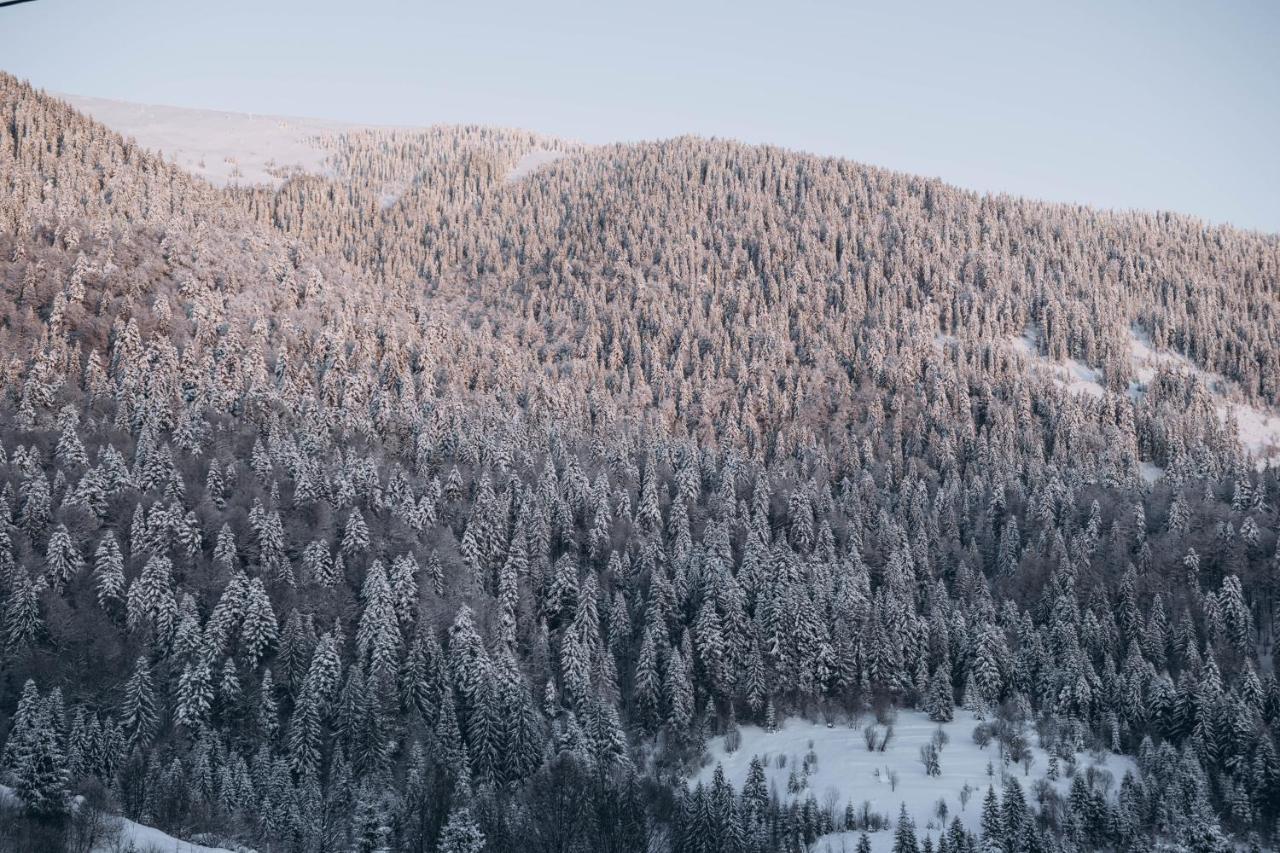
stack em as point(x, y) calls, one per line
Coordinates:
point(1169, 105)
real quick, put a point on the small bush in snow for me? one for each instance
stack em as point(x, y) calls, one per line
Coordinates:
point(1099, 778)
point(1026, 759)
point(797, 782)
point(929, 758)
point(862, 818)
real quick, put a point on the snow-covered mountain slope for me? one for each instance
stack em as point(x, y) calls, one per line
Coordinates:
point(243, 149)
point(129, 835)
point(224, 148)
point(1258, 427)
point(147, 838)
point(1071, 374)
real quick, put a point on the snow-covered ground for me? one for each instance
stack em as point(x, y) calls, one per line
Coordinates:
point(1146, 360)
point(145, 839)
point(223, 148)
point(136, 837)
point(1150, 472)
point(242, 149)
point(1071, 374)
point(1259, 428)
point(532, 162)
point(1259, 431)
point(849, 773)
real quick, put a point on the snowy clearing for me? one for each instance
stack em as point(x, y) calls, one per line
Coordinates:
point(1073, 375)
point(1259, 431)
point(135, 836)
point(849, 773)
point(1258, 428)
point(243, 149)
point(223, 148)
point(1150, 472)
point(1146, 360)
point(148, 838)
point(532, 162)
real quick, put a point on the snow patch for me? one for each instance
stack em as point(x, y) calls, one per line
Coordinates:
point(532, 162)
point(391, 191)
point(1150, 472)
point(144, 838)
point(1146, 360)
point(1259, 431)
point(1258, 428)
point(134, 836)
point(943, 340)
point(847, 771)
point(1075, 376)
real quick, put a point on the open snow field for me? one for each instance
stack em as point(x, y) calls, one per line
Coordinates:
point(847, 773)
point(223, 148)
point(532, 162)
point(242, 149)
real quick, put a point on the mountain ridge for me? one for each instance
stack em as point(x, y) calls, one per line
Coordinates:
point(120, 124)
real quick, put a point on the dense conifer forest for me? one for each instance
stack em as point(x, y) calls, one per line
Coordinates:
point(462, 517)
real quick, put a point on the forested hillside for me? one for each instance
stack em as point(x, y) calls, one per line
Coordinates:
point(417, 507)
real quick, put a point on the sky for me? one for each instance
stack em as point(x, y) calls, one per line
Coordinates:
point(1171, 105)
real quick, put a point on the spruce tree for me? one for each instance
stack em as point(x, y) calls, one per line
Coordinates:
point(139, 713)
point(34, 754)
point(940, 702)
point(904, 836)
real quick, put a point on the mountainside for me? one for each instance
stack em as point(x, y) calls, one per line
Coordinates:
point(223, 148)
point(451, 489)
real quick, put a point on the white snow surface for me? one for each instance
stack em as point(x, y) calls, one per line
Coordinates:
point(1258, 427)
point(1146, 360)
point(1073, 375)
point(1150, 471)
point(144, 839)
point(148, 838)
point(846, 768)
point(223, 148)
point(532, 162)
point(244, 149)
point(1259, 431)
